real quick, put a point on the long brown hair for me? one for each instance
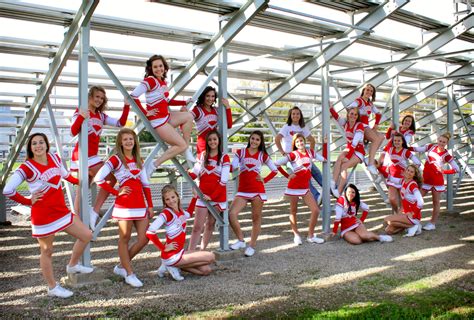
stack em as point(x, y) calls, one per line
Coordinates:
point(149, 66)
point(261, 147)
point(169, 188)
point(135, 150)
point(92, 91)
point(404, 143)
point(208, 149)
point(29, 152)
point(412, 126)
point(289, 121)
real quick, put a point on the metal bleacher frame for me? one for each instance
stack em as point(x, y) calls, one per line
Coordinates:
point(323, 64)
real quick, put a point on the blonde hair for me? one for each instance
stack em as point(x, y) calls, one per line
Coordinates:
point(169, 188)
point(293, 141)
point(93, 90)
point(135, 150)
point(417, 177)
point(447, 135)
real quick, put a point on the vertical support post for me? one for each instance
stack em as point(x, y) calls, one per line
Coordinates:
point(222, 125)
point(395, 103)
point(450, 124)
point(3, 210)
point(326, 212)
point(83, 143)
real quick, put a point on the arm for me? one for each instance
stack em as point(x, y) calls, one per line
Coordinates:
point(278, 143)
point(388, 134)
point(225, 173)
point(10, 188)
point(339, 214)
point(146, 187)
point(228, 113)
point(153, 228)
point(137, 92)
point(378, 115)
point(419, 199)
point(273, 169)
point(192, 206)
point(415, 159)
point(365, 211)
point(454, 167)
point(174, 102)
point(77, 120)
point(123, 119)
point(103, 172)
point(64, 173)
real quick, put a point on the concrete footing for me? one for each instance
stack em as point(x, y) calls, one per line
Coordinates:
point(228, 255)
point(77, 280)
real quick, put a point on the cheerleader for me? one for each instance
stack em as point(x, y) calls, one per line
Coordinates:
point(133, 205)
point(206, 117)
point(49, 215)
point(295, 124)
point(96, 119)
point(365, 104)
point(164, 122)
point(213, 169)
point(433, 180)
point(398, 156)
point(251, 189)
point(412, 203)
point(354, 152)
point(173, 256)
point(298, 186)
point(353, 229)
point(408, 130)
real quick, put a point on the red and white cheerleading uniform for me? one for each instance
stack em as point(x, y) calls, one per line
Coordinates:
point(354, 136)
point(95, 123)
point(346, 215)
point(250, 166)
point(408, 134)
point(301, 164)
point(412, 201)
point(213, 179)
point(156, 96)
point(433, 171)
point(127, 206)
point(365, 109)
point(50, 213)
point(175, 228)
point(205, 122)
point(397, 165)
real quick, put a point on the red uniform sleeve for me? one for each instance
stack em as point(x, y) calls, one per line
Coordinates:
point(70, 178)
point(336, 226)
point(124, 117)
point(364, 215)
point(76, 125)
point(139, 104)
point(283, 172)
point(107, 187)
point(270, 176)
point(153, 237)
point(378, 117)
point(388, 134)
point(177, 102)
point(21, 199)
point(229, 118)
point(148, 198)
point(192, 206)
point(334, 114)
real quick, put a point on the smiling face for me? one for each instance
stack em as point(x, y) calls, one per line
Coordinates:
point(127, 142)
point(171, 200)
point(295, 116)
point(158, 68)
point(255, 141)
point(350, 194)
point(353, 114)
point(300, 143)
point(38, 146)
point(409, 173)
point(398, 142)
point(368, 92)
point(210, 98)
point(442, 142)
point(213, 141)
point(406, 123)
point(96, 99)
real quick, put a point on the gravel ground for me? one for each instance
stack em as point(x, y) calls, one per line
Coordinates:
point(279, 277)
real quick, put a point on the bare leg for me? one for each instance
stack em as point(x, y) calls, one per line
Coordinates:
point(237, 205)
point(397, 223)
point(199, 220)
point(102, 194)
point(257, 205)
point(436, 196)
point(83, 235)
point(142, 240)
point(376, 140)
point(46, 259)
point(394, 198)
point(366, 235)
point(197, 262)
point(183, 119)
point(176, 143)
point(346, 165)
point(125, 232)
point(293, 210)
point(313, 207)
point(208, 230)
point(352, 237)
point(336, 169)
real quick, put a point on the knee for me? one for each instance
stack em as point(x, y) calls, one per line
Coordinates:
point(256, 219)
point(124, 239)
point(47, 252)
point(206, 270)
point(87, 237)
point(142, 240)
point(211, 258)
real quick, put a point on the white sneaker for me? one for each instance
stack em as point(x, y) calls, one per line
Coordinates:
point(93, 216)
point(174, 272)
point(315, 239)
point(334, 190)
point(188, 155)
point(150, 168)
point(385, 238)
point(249, 251)
point(372, 169)
point(297, 240)
point(418, 231)
point(429, 226)
point(411, 231)
point(60, 292)
point(133, 281)
point(120, 271)
point(79, 268)
point(237, 245)
point(161, 270)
